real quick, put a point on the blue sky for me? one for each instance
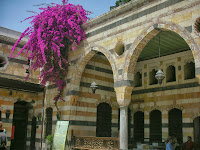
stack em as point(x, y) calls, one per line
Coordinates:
point(14, 11)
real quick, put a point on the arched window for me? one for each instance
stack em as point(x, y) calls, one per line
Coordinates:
point(175, 124)
point(189, 71)
point(152, 78)
point(171, 74)
point(139, 126)
point(155, 126)
point(104, 120)
point(197, 131)
point(138, 79)
point(49, 113)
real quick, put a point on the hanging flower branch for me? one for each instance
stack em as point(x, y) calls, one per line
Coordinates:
point(50, 34)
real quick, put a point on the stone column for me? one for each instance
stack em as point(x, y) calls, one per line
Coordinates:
point(123, 99)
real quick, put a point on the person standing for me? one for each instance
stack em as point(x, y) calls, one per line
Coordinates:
point(169, 144)
point(3, 138)
point(189, 145)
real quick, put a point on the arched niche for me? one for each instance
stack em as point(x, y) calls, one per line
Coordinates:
point(149, 33)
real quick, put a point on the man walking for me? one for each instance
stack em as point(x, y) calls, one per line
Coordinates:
point(169, 144)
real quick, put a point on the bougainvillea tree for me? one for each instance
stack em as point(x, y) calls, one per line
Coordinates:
point(51, 33)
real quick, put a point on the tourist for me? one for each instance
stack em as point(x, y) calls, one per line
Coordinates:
point(189, 145)
point(169, 145)
point(3, 138)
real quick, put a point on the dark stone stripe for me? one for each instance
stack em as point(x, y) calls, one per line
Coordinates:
point(100, 87)
point(123, 83)
point(189, 28)
point(74, 61)
point(197, 71)
point(68, 80)
point(18, 61)
point(20, 85)
point(15, 76)
point(166, 125)
point(11, 43)
point(188, 125)
point(4, 120)
point(83, 123)
point(99, 69)
point(171, 87)
point(134, 17)
point(120, 71)
point(53, 86)
point(72, 93)
point(128, 83)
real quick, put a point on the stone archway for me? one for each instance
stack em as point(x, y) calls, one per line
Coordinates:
point(80, 66)
point(151, 31)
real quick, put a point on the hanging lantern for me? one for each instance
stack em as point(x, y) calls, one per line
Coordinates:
point(93, 86)
point(159, 76)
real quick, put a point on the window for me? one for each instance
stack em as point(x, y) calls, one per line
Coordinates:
point(171, 74)
point(139, 126)
point(104, 120)
point(49, 113)
point(155, 126)
point(152, 78)
point(189, 71)
point(138, 79)
point(3, 61)
point(175, 124)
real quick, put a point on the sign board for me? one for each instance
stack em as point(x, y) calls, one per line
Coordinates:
point(60, 135)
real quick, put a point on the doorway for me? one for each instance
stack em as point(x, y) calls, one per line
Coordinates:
point(20, 121)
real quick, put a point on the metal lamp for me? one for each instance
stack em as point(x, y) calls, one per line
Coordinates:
point(93, 85)
point(159, 74)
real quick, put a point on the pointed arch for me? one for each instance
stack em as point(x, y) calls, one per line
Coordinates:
point(82, 62)
point(147, 34)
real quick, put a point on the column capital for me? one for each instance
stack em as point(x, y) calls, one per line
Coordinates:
point(123, 95)
point(198, 78)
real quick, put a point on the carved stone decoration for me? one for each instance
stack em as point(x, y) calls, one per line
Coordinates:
point(104, 99)
point(123, 95)
point(138, 109)
point(195, 115)
point(93, 143)
point(110, 144)
point(155, 108)
point(175, 106)
point(198, 78)
point(78, 142)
